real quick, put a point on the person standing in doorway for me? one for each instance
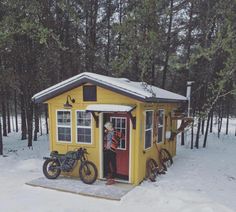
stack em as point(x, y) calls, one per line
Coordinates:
point(111, 142)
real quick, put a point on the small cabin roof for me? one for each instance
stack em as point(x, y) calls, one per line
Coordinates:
point(137, 90)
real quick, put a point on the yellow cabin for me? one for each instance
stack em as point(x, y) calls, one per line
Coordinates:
point(79, 107)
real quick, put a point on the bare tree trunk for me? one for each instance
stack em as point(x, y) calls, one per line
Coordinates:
point(207, 129)
point(182, 138)
point(1, 144)
point(36, 122)
point(15, 108)
point(107, 53)
point(211, 125)
point(91, 33)
point(168, 41)
point(41, 127)
point(29, 115)
point(192, 133)
point(219, 121)
point(227, 120)
point(120, 22)
point(4, 117)
point(12, 124)
point(23, 118)
point(189, 35)
point(219, 126)
point(8, 117)
point(198, 133)
point(203, 126)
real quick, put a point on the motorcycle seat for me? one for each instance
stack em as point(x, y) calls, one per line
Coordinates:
point(54, 153)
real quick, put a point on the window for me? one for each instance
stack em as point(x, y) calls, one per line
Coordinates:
point(64, 126)
point(160, 126)
point(89, 93)
point(148, 129)
point(120, 123)
point(83, 130)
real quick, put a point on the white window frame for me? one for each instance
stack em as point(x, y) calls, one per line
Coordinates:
point(85, 127)
point(148, 129)
point(66, 126)
point(121, 117)
point(163, 126)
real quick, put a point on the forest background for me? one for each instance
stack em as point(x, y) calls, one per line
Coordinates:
point(162, 42)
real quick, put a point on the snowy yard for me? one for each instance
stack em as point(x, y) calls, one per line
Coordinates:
point(201, 180)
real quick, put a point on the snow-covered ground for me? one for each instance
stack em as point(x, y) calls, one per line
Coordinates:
point(202, 180)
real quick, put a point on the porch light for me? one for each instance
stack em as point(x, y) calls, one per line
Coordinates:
point(67, 104)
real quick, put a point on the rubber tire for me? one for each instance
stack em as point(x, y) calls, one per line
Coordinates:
point(45, 171)
point(151, 169)
point(82, 177)
point(166, 158)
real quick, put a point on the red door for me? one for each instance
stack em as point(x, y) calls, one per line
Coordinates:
point(121, 123)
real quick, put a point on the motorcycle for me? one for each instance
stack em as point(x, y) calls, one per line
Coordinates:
point(56, 163)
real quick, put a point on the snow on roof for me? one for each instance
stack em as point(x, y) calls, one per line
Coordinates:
point(109, 108)
point(139, 90)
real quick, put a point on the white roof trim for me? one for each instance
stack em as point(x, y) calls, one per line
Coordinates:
point(137, 89)
point(109, 108)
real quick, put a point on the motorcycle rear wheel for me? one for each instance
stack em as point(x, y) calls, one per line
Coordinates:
point(88, 172)
point(50, 169)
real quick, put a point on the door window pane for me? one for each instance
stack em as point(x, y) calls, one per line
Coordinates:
point(119, 124)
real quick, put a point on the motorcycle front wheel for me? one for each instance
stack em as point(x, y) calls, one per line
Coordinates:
point(88, 172)
point(50, 169)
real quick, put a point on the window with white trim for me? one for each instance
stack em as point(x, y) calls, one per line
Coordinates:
point(160, 125)
point(83, 128)
point(64, 125)
point(148, 129)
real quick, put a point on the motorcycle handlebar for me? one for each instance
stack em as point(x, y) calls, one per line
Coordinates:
point(82, 149)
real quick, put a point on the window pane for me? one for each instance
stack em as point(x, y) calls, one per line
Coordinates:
point(161, 117)
point(63, 118)
point(123, 132)
point(123, 123)
point(64, 134)
point(149, 119)
point(118, 123)
point(113, 120)
point(84, 135)
point(160, 134)
point(148, 138)
point(122, 144)
point(87, 122)
point(83, 119)
point(87, 139)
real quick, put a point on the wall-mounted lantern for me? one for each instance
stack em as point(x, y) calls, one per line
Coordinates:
point(67, 104)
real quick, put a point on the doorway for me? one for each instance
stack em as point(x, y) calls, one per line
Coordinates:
point(121, 123)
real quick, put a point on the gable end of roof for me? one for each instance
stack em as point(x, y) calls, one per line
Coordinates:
point(84, 80)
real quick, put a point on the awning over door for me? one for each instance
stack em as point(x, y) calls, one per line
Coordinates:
point(109, 108)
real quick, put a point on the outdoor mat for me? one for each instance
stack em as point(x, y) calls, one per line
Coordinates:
point(99, 189)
